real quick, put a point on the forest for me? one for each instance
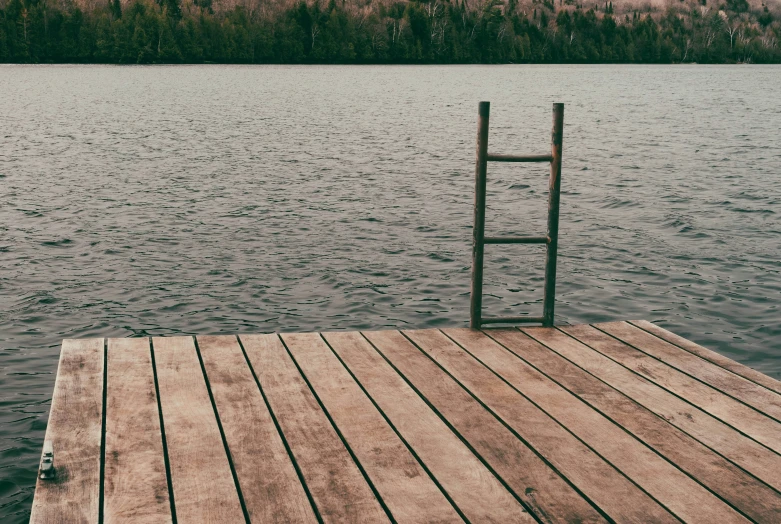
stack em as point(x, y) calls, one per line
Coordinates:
point(413, 32)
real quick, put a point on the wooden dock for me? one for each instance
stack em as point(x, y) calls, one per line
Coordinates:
point(615, 422)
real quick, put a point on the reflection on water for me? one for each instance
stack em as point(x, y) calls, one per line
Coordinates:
point(211, 199)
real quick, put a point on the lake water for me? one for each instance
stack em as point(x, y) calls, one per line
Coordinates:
point(142, 201)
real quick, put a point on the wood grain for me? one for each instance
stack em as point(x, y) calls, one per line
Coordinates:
point(75, 429)
point(403, 484)
point(269, 483)
point(472, 487)
point(201, 476)
point(747, 453)
point(720, 360)
point(752, 497)
point(574, 422)
point(759, 397)
point(738, 415)
point(543, 491)
point(616, 495)
point(660, 479)
point(338, 488)
point(135, 486)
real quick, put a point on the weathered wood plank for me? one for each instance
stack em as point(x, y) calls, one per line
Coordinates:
point(759, 397)
point(663, 481)
point(747, 453)
point(135, 486)
point(339, 490)
point(405, 487)
point(738, 415)
point(577, 413)
point(752, 497)
point(720, 360)
point(269, 483)
point(472, 487)
point(617, 496)
point(75, 429)
point(201, 477)
point(546, 493)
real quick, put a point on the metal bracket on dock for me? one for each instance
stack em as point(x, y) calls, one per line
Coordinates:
point(551, 240)
point(47, 461)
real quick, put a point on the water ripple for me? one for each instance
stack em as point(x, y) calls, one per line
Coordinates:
point(164, 200)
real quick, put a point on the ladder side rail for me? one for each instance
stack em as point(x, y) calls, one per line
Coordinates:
point(478, 231)
point(554, 187)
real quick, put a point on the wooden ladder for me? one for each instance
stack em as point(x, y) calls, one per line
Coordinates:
point(551, 240)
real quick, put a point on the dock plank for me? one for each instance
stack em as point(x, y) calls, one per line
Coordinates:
point(75, 429)
point(269, 483)
point(201, 477)
point(135, 486)
point(720, 360)
point(472, 487)
point(339, 490)
point(662, 480)
point(738, 415)
point(744, 492)
point(758, 397)
point(405, 487)
point(617, 496)
point(622, 422)
point(543, 491)
point(747, 453)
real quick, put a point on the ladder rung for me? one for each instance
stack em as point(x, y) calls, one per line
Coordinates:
point(515, 240)
point(518, 158)
point(512, 320)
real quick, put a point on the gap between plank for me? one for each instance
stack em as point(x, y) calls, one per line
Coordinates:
point(661, 417)
point(632, 435)
point(453, 429)
point(704, 359)
point(162, 435)
point(771, 417)
point(102, 481)
point(338, 432)
point(505, 424)
point(281, 435)
point(393, 428)
point(222, 433)
point(672, 392)
point(562, 425)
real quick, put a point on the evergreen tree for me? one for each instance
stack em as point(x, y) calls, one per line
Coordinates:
point(158, 31)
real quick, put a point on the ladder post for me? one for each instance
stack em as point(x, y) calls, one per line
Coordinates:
point(554, 186)
point(478, 231)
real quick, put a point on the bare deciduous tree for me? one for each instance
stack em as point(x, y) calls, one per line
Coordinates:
point(732, 27)
point(315, 32)
point(768, 41)
point(687, 48)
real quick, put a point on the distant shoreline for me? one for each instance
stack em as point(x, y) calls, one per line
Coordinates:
point(175, 32)
point(389, 64)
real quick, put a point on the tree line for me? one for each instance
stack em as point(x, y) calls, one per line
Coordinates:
point(431, 31)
